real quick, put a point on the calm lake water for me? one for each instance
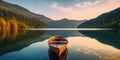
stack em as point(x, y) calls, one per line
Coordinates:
point(83, 45)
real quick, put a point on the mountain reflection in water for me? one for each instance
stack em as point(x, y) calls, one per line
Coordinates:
point(83, 45)
point(21, 39)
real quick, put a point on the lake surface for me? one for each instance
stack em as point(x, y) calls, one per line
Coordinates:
point(83, 45)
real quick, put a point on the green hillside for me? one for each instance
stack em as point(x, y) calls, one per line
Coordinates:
point(107, 20)
point(8, 10)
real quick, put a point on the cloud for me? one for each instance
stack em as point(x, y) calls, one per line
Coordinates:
point(87, 10)
point(60, 8)
point(86, 4)
point(66, 3)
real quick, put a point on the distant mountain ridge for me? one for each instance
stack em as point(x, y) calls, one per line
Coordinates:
point(107, 20)
point(65, 23)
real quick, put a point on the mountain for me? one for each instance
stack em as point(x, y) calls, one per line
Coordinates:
point(7, 10)
point(107, 20)
point(64, 23)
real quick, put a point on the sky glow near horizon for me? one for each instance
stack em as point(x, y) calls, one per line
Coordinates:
point(71, 9)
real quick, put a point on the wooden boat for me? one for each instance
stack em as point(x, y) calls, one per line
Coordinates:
point(58, 44)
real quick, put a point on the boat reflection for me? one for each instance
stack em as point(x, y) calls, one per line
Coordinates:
point(54, 56)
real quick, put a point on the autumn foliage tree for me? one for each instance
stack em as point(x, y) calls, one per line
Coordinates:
point(9, 28)
point(3, 27)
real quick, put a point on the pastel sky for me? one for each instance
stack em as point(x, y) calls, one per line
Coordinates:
point(71, 9)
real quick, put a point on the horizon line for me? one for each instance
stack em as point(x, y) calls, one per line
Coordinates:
point(67, 28)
